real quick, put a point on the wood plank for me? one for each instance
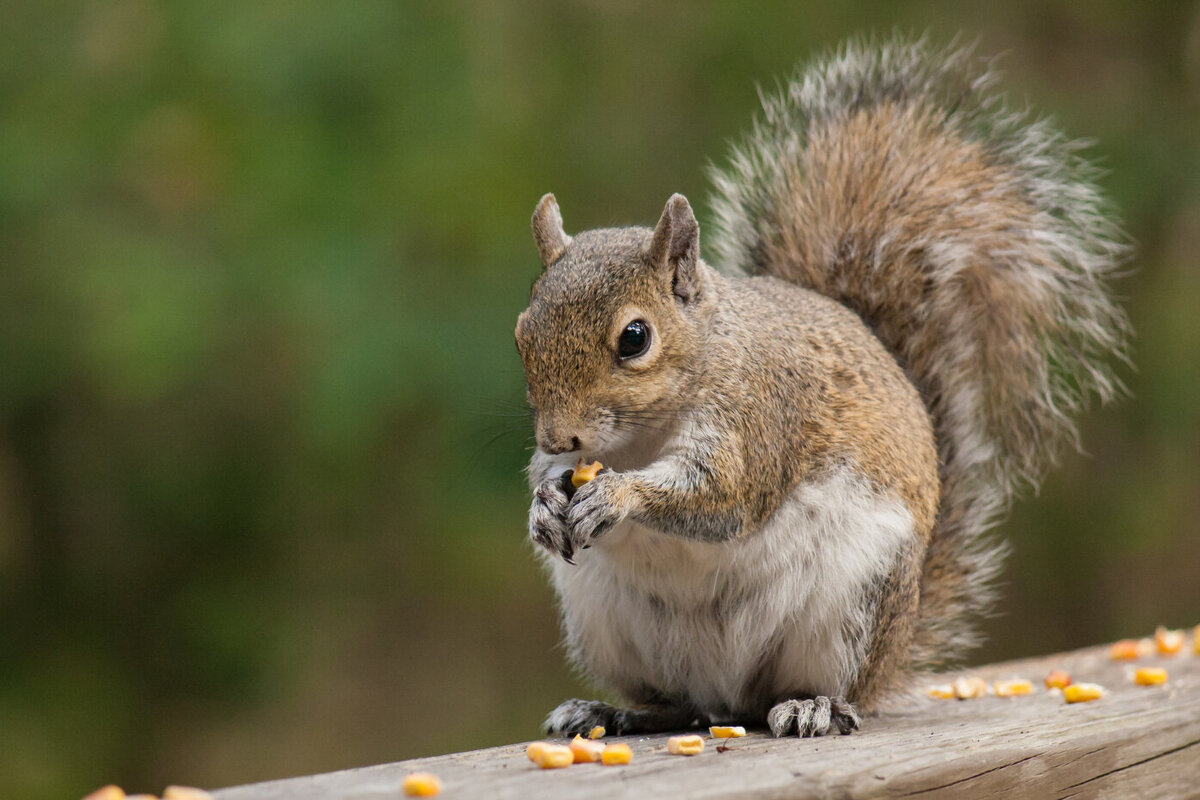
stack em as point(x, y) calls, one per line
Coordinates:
point(1135, 742)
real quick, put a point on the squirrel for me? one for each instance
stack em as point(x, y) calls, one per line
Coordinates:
point(805, 450)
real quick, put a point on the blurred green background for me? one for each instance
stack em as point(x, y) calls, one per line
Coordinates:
point(261, 433)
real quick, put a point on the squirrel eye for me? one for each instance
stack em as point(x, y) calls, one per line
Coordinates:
point(634, 340)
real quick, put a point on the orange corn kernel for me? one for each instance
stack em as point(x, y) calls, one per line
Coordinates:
point(585, 472)
point(1058, 679)
point(1013, 688)
point(685, 745)
point(597, 732)
point(943, 691)
point(110, 792)
point(727, 731)
point(1125, 650)
point(1083, 692)
point(615, 754)
point(969, 688)
point(553, 756)
point(1150, 676)
point(422, 784)
point(1168, 642)
point(585, 750)
point(1196, 640)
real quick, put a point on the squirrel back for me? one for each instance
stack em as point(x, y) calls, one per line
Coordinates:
point(972, 241)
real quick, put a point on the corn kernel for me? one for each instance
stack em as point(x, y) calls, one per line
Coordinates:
point(535, 748)
point(553, 756)
point(421, 784)
point(943, 691)
point(140, 797)
point(615, 754)
point(597, 732)
point(1196, 640)
point(969, 688)
point(585, 472)
point(1125, 650)
point(185, 793)
point(727, 731)
point(1013, 688)
point(685, 745)
point(585, 750)
point(110, 792)
point(1083, 692)
point(1168, 642)
point(1150, 676)
point(1058, 679)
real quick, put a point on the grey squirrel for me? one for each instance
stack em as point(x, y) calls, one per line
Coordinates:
point(805, 449)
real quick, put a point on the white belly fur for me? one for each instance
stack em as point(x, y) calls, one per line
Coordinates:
point(646, 609)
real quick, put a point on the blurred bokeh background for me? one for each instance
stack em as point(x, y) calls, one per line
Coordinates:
point(261, 432)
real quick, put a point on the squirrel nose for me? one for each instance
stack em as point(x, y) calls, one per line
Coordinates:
point(554, 441)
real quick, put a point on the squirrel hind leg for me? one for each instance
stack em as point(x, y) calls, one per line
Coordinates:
point(580, 716)
point(815, 716)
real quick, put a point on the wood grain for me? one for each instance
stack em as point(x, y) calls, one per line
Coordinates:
point(1135, 742)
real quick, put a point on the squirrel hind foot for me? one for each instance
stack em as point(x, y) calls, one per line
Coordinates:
point(813, 717)
point(580, 716)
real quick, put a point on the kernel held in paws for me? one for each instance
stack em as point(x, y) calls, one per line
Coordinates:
point(727, 731)
point(1150, 676)
point(422, 784)
point(585, 472)
point(1083, 692)
point(685, 745)
point(615, 754)
point(585, 750)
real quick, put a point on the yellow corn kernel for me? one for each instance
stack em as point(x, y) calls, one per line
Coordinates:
point(585, 750)
point(1150, 676)
point(1058, 679)
point(597, 732)
point(969, 688)
point(421, 784)
point(553, 756)
point(584, 472)
point(1013, 688)
point(1196, 640)
point(614, 754)
point(727, 731)
point(185, 793)
point(534, 748)
point(1083, 692)
point(110, 792)
point(943, 691)
point(1125, 650)
point(685, 745)
point(1168, 642)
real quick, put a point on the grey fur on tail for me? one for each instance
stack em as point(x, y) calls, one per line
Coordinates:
point(972, 238)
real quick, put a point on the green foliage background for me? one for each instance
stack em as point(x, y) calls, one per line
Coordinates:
point(261, 440)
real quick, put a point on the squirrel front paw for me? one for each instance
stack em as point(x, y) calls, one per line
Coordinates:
point(596, 507)
point(548, 519)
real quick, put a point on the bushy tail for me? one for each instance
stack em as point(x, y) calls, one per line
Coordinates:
point(974, 242)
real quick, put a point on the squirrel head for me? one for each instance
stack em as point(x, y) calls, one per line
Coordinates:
point(611, 335)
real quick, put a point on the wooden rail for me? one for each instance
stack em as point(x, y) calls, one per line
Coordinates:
point(1135, 742)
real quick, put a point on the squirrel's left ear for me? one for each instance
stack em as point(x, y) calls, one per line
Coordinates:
point(675, 248)
point(548, 231)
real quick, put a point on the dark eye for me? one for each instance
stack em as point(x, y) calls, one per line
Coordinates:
point(633, 340)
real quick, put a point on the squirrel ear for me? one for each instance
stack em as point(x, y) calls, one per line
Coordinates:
point(675, 248)
point(548, 231)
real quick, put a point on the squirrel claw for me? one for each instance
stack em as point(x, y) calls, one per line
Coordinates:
point(813, 717)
